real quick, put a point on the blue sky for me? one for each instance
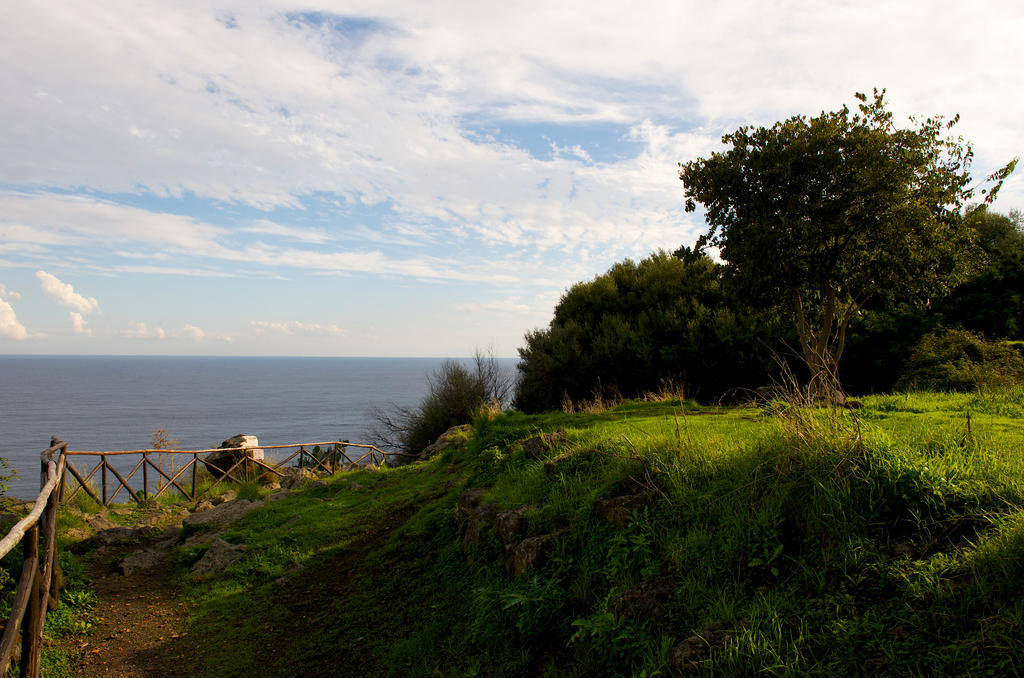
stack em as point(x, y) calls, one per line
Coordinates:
point(410, 178)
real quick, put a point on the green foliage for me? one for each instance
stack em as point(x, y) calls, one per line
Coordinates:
point(957, 360)
point(6, 474)
point(628, 329)
point(835, 541)
point(990, 302)
point(456, 395)
point(820, 216)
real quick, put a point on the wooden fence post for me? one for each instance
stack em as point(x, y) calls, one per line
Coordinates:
point(31, 618)
point(145, 475)
point(195, 468)
point(103, 474)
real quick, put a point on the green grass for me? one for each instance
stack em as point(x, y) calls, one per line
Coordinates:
point(888, 539)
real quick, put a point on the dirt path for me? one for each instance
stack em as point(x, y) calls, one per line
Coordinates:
point(139, 627)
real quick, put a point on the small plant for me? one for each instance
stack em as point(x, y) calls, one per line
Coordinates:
point(670, 389)
point(958, 360)
point(161, 440)
point(601, 400)
point(456, 395)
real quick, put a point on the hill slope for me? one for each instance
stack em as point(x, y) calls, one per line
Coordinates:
point(650, 539)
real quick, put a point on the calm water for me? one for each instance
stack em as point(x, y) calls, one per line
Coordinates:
point(110, 403)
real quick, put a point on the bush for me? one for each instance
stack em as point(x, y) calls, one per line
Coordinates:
point(958, 360)
point(455, 396)
point(665, 317)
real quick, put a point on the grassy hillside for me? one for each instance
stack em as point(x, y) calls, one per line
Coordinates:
point(668, 538)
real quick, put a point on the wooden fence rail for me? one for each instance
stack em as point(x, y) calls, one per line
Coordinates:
point(327, 456)
point(37, 586)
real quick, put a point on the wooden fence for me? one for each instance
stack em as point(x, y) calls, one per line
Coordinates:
point(328, 457)
point(37, 586)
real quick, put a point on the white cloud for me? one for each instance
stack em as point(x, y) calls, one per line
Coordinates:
point(193, 332)
point(79, 324)
point(86, 222)
point(510, 305)
point(139, 330)
point(63, 293)
point(277, 107)
point(9, 325)
point(10, 295)
point(296, 327)
point(310, 235)
point(68, 220)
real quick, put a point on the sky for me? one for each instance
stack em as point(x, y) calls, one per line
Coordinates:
point(411, 178)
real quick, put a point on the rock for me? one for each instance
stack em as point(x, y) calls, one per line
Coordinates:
point(122, 511)
point(272, 486)
point(268, 478)
point(699, 646)
point(16, 505)
point(99, 522)
point(467, 502)
point(204, 505)
point(537, 446)
point(296, 477)
point(218, 557)
point(169, 538)
point(218, 463)
point(114, 535)
point(78, 533)
point(471, 516)
point(277, 496)
point(226, 513)
point(350, 485)
point(141, 560)
point(199, 538)
point(617, 510)
point(646, 600)
point(457, 437)
point(510, 525)
point(532, 552)
point(480, 518)
point(223, 497)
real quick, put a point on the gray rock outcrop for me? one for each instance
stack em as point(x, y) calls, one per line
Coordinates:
point(532, 552)
point(224, 514)
point(617, 510)
point(687, 655)
point(646, 600)
point(141, 560)
point(509, 526)
point(456, 436)
point(218, 557)
point(537, 446)
point(219, 463)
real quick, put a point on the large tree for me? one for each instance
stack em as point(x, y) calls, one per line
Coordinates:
point(821, 216)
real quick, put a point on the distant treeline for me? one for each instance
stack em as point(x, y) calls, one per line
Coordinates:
point(678, 316)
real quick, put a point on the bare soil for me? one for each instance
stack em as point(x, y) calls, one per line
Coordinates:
point(140, 626)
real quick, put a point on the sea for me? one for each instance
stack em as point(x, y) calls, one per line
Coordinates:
point(117, 402)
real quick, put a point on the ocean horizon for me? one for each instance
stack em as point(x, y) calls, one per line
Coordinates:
point(99, 402)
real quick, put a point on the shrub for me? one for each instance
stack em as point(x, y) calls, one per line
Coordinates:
point(627, 330)
point(455, 396)
point(958, 360)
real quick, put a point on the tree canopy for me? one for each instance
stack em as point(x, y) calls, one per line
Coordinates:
point(821, 216)
point(665, 317)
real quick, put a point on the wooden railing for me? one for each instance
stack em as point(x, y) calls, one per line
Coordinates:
point(331, 457)
point(37, 586)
